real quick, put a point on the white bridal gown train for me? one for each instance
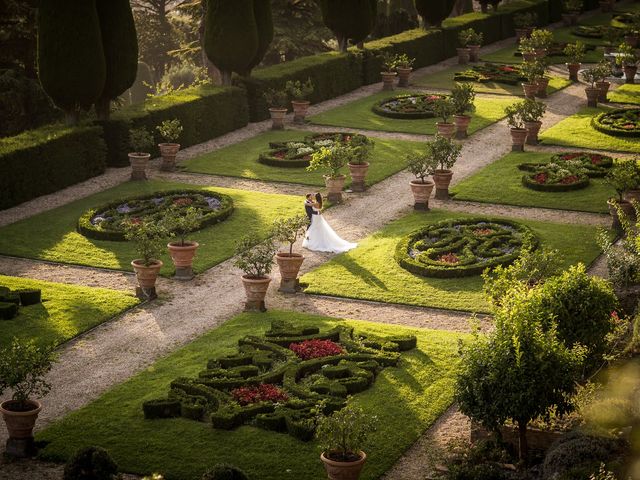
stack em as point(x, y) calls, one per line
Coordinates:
point(320, 237)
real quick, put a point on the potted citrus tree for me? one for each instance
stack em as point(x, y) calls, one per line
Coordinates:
point(543, 79)
point(444, 108)
point(404, 66)
point(421, 166)
point(532, 113)
point(300, 93)
point(589, 75)
point(23, 367)
point(141, 141)
point(170, 131)
point(182, 252)
point(358, 163)
point(148, 238)
point(527, 49)
point(332, 160)
point(603, 72)
point(623, 177)
point(464, 52)
point(462, 96)
point(516, 125)
point(541, 40)
point(277, 103)
point(474, 44)
point(444, 153)
point(575, 52)
point(255, 259)
point(388, 71)
point(288, 230)
point(628, 60)
point(532, 71)
point(342, 437)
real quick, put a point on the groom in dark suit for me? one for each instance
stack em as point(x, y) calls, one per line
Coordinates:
point(308, 207)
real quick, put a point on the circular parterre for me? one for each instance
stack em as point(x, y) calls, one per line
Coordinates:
point(460, 248)
point(107, 222)
point(489, 72)
point(555, 177)
point(408, 106)
point(621, 122)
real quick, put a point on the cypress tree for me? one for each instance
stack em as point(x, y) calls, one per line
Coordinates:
point(71, 63)
point(348, 19)
point(231, 36)
point(434, 12)
point(264, 24)
point(120, 46)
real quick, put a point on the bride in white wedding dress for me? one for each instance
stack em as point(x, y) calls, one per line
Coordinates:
point(320, 237)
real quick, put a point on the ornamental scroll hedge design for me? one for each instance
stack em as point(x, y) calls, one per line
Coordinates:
point(506, 74)
point(280, 381)
point(408, 107)
point(11, 301)
point(621, 122)
point(106, 222)
point(460, 248)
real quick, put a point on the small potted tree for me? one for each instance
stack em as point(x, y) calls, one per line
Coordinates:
point(255, 259)
point(341, 437)
point(23, 367)
point(388, 73)
point(181, 223)
point(532, 112)
point(474, 44)
point(541, 39)
point(524, 23)
point(421, 166)
point(516, 125)
point(170, 131)
point(141, 142)
point(277, 103)
point(332, 160)
point(462, 96)
point(590, 75)
point(300, 93)
point(527, 49)
point(404, 66)
point(572, 9)
point(444, 153)
point(444, 108)
point(623, 177)
point(359, 163)
point(543, 79)
point(288, 230)
point(464, 52)
point(532, 71)
point(628, 60)
point(575, 52)
point(603, 71)
point(149, 238)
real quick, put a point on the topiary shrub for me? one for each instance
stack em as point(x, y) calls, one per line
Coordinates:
point(90, 463)
point(415, 106)
point(223, 471)
point(31, 296)
point(8, 310)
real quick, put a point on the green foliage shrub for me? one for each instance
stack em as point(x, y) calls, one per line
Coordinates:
point(90, 463)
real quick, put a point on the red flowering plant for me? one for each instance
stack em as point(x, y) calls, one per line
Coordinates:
point(449, 258)
point(309, 349)
point(265, 392)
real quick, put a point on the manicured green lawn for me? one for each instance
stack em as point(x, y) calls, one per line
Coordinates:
point(444, 80)
point(626, 94)
point(65, 312)
point(576, 131)
point(370, 272)
point(241, 160)
point(52, 235)
point(358, 114)
point(481, 187)
point(406, 400)
point(507, 55)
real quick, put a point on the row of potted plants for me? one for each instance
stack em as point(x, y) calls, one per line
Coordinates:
point(458, 105)
point(141, 141)
point(524, 120)
point(400, 65)
point(470, 43)
point(597, 84)
point(295, 92)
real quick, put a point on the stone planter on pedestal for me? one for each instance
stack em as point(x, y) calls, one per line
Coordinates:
point(277, 118)
point(421, 193)
point(358, 173)
point(442, 179)
point(462, 125)
point(387, 80)
point(147, 276)
point(289, 265)
point(256, 291)
point(334, 187)
point(139, 162)
point(533, 128)
point(168, 152)
point(404, 75)
point(20, 425)
point(182, 256)
point(518, 137)
point(300, 108)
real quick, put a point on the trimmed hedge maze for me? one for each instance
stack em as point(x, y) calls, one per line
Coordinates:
point(10, 301)
point(107, 222)
point(460, 248)
point(408, 107)
point(281, 381)
point(621, 122)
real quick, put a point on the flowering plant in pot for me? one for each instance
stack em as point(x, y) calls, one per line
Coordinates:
point(462, 97)
point(444, 153)
point(388, 70)
point(421, 166)
point(602, 72)
point(572, 9)
point(628, 60)
point(527, 49)
point(255, 259)
point(516, 124)
point(404, 65)
point(332, 159)
point(149, 239)
point(180, 223)
point(532, 112)
point(622, 177)
point(524, 23)
point(444, 108)
point(288, 230)
point(300, 93)
point(277, 102)
point(464, 52)
point(575, 52)
point(342, 436)
point(532, 71)
point(170, 131)
point(541, 39)
point(23, 367)
point(474, 42)
point(358, 163)
point(141, 141)
point(589, 75)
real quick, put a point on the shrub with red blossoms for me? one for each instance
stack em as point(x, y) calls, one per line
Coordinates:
point(265, 392)
point(315, 349)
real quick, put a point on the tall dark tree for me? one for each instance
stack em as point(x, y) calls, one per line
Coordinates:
point(264, 25)
point(348, 20)
point(120, 46)
point(434, 12)
point(71, 63)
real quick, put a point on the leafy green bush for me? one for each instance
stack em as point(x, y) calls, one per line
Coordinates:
point(90, 463)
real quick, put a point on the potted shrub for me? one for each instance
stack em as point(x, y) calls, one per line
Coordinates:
point(623, 177)
point(332, 160)
point(404, 66)
point(532, 112)
point(628, 60)
point(141, 142)
point(288, 230)
point(170, 131)
point(524, 23)
point(277, 103)
point(543, 80)
point(421, 166)
point(474, 44)
point(388, 71)
point(300, 93)
point(532, 71)
point(444, 108)
point(464, 52)
point(23, 367)
point(358, 163)
point(575, 52)
point(182, 251)
point(603, 71)
point(255, 259)
point(589, 75)
point(462, 96)
point(541, 40)
point(527, 49)
point(341, 437)
point(572, 9)
point(149, 238)
point(444, 153)
point(516, 124)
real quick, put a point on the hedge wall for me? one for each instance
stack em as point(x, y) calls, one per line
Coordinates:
point(48, 159)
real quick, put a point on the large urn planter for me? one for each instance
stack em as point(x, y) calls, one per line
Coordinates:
point(573, 68)
point(20, 424)
point(343, 470)
point(387, 80)
point(442, 179)
point(289, 265)
point(404, 74)
point(446, 129)
point(334, 188)
point(462, 125)
point(139, 162)
point(421, 194)
point(277, 118)
point(474, 53)
point(603, 88)
point(168, 152)
point(300, 109)
point(543, 84)
point(256, 291)
point(533, 128)
point(147, 277)
point(463, 55)
point(358, 173)
point(518, 137)
point(593, 94)
point(530, 90)
point(182, 256)
point(630, 73)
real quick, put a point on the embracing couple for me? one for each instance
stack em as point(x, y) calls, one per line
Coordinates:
point(320, 237)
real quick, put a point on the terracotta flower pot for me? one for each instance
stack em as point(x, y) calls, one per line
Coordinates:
point(530, 90)
point(403, 76)
point(387, 80)
point(543, 84)
point(630, 73)
point(147, 277)
point(442, 179)
point(139, 162)
point(518, 137)
point(474, 53)
point(463, 55)
point(300, 109)
point(168, 151)
point(358, 173)
point(533, 128)
point(182, 256)
point(446, 129)
point(343, 470)
point(256, 291)
point(573, 70)
point(528, 56)
point(277, 118)
point(462, 125)
point(289, 265)
point(603, 87)
point(421, 193)
point(592, 96)
point(20, 424)
point(334, 187)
